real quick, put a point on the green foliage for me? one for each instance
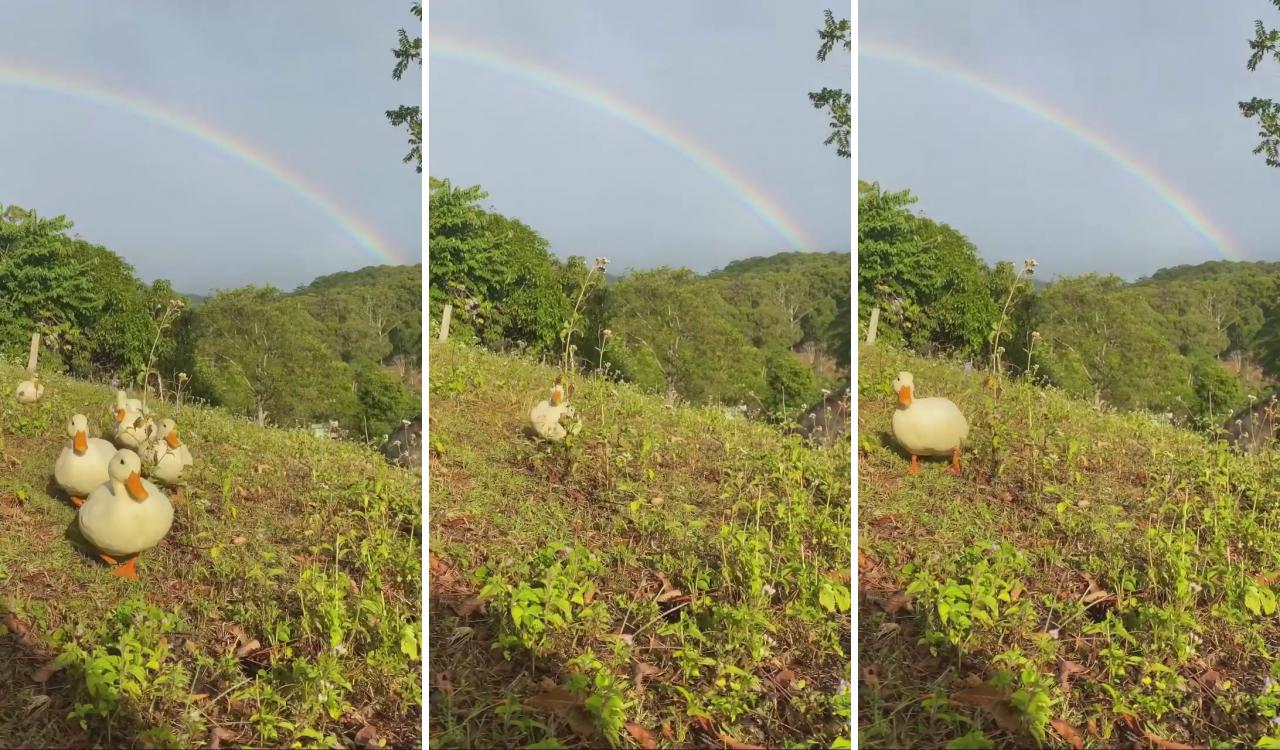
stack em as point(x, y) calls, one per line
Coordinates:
point(927, 279)
point(790, 384)
point(837, 102)
point(407, 52)
point(91, 310)
point(672, 335)
point(259, 353)
point(382, 401)
point(1265, 42)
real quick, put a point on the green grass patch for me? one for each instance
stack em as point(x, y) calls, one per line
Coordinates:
point(1093, 577)
point(670, 575)
point(282, 610)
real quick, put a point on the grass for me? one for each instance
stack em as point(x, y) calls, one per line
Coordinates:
point(669, 578)
point(1091, 580)
point(282, 610)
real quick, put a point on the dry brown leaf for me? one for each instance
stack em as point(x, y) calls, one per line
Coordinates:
point(668, 595)
point(248, 648)
point(1210, 678)
point(871, 675)
point(642, 672)
point(1068, 733)
point(784, 677)
point(444, 681)
point(1093, 728)
point(982, 696)
point(733, 744)
point(190, 646)
point(1164, 744)
point(1016, 593)
point(459, 521)
point(581, 722)
point(437, 565)
point(367, 736)
point(1068, 669)
point(643, 737)
point(553, 699)
point(21, 630)
point(197, 697)
point(220, 735)
point(46, 673)
point(239, 540)
point(471, 605)
point(1095, 593)
point(897, 602)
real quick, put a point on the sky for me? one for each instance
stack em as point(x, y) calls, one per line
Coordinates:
point(1157, 82)
point(298, 85)
point(699, 147)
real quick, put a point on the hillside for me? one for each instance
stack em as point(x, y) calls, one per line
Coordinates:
point(1093, 579)
point(671, 576)
point(283, 609)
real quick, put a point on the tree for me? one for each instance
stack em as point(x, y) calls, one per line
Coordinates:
point(837, 102)
point(1100, 340)
point(84, 300)
point(927, 278)
point(790, 384)
point(674, 333)
point(407, 52)
point(261, 354)
point(1265, 42)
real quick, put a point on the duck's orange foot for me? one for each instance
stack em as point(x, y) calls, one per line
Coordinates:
point(119, 569)
point(915, 464)
point(127, 569)
point(76, 501)
point(955, 463)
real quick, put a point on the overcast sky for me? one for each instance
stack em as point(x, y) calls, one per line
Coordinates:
point(732, 76)
point(306, 83)
point(1158, 80)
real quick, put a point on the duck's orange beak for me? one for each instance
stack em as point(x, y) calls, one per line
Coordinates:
point(120, 414)
point(557, 395)
point(134, 485)
point(172, 439)
point(80, 443)
point(904, 395)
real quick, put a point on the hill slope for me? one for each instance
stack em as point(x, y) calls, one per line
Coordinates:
point(671, 569)
point(282, 608)
point(1100, 570)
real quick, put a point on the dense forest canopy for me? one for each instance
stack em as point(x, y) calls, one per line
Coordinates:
point(1193, 341)
point(340, 348)
point(767, 333)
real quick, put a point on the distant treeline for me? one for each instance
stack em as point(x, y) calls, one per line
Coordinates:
point(345, 347)
point(767, 333)
point(1194, 341)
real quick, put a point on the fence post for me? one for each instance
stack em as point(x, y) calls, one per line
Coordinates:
point(444, 321)
point(34, 355)
point(871, 328)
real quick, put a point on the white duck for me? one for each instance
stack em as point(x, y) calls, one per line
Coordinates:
point(546, 416)
point(927, 426)
point(167, 454)
point(82, 466)
point(125, 516)
point(29, 391)
point(133, 427)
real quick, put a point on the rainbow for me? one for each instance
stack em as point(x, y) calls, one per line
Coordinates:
point(767, 208)
point(1182, 204)
point(363, 235)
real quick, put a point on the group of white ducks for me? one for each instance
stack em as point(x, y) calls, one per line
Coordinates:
point(120, 513)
